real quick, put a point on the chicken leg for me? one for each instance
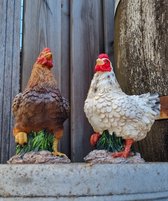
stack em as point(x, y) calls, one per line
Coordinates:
point(20, 137)
point(126, 152)
point(57, 137)
point(94, 138)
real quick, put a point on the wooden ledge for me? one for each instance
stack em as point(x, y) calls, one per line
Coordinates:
point(164, 107)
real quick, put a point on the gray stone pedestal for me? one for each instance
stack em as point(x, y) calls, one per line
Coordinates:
point(83, 182)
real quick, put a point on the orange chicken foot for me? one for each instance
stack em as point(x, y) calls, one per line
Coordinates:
point(57, 137)
point(127, 149)
point(20, 137)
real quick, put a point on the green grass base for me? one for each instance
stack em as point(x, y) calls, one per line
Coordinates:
point(37, 141)
point(110, 143)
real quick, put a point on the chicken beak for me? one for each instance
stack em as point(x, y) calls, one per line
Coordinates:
point(99, 62)
point(48, 56)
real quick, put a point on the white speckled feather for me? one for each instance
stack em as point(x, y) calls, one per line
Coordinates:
point(107, 107)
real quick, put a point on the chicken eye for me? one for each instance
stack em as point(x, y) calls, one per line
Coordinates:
point(108, 76)
point(95, 89)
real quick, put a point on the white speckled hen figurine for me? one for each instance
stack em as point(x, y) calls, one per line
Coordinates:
point(107, 107)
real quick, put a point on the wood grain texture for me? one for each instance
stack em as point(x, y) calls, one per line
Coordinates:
point(42, 28)
point(65, 69)
point(9, 71)
point(85, 47)
point(46, 24)
point(108, 18)
point(141, 61)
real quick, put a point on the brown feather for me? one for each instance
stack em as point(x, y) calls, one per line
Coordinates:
point(41, 105)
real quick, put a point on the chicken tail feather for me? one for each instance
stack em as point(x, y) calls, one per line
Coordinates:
point(154, 101)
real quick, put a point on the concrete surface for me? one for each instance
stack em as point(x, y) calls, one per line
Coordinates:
point(71, 182)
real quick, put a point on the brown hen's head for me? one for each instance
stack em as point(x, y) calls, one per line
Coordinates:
point(45, 58)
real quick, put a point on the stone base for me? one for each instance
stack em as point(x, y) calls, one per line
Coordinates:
point(103, 156)
point(37, 158)
point(84, 182)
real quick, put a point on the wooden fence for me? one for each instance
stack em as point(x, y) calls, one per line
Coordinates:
point(76, 31)
point(9, 71)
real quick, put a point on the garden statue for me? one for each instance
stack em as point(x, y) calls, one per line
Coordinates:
point(118, 119)
point(40, 112)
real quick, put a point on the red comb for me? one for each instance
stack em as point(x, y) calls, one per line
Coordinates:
point(103, 55)
point(46, 50)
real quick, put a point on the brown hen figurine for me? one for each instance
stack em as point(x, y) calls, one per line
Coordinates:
point(40, 106)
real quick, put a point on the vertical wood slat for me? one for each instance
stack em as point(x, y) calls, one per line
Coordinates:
point(85, 45)
point(65, 69)
point(42, 28)
point(9, 71)
point(16, 65)
point(46, 25)
point(108, 17)
point(3, 19)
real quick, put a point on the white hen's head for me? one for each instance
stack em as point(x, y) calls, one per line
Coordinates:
point(104, 79)
point(103, 64)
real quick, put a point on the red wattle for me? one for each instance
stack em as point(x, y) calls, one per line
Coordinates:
point(103, 68)
point(44, 61)
point(49, 64)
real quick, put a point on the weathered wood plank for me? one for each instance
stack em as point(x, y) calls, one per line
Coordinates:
point(65, 69)
point(15, 67)
point(3, 17)
point(85, 46)
point(108, 16)
point(49, 27)
point(10, 16)
point(141, 61)
point(164, 107)
point(42, 28)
